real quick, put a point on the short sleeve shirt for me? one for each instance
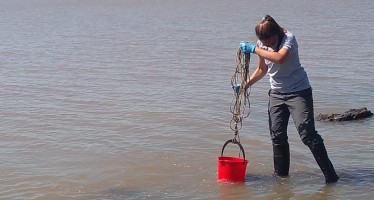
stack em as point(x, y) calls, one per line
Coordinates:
point(289, 76)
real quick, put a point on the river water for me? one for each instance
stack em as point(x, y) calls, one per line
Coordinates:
point(129, 99)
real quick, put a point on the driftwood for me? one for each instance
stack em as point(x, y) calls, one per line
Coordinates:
point(349, 115)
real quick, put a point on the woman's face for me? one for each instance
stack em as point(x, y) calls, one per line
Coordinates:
point(270, 42)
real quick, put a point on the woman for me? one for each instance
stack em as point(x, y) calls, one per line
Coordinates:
point(290, 94)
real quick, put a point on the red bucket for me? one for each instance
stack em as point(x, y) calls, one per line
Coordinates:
point(232, 169)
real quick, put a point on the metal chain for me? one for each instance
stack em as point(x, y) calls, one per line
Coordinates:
point(240, 100)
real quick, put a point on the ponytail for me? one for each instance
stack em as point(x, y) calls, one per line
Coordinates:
point(268, 28)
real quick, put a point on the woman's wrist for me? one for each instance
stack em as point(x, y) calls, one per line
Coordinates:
point(247, 84)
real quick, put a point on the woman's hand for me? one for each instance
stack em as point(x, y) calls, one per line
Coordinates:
point(247, 47)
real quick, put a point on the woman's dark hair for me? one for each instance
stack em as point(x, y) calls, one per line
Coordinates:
point(268, 28)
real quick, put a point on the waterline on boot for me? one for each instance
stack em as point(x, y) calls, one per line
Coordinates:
point(280, 176)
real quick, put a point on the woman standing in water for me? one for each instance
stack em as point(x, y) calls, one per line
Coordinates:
point(290, 94)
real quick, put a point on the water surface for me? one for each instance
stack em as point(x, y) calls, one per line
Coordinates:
point(130, 99)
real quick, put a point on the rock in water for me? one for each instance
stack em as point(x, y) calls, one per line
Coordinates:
point(349, 115)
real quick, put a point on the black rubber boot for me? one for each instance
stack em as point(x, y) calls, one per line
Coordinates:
point(320, 154)
point(281, 155)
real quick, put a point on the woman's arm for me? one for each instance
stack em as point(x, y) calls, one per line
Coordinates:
point(276, 56)
point(258, 74)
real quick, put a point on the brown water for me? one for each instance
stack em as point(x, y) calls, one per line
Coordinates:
point(130, 99)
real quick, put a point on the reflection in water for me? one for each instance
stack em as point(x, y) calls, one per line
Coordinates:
point(269, 187)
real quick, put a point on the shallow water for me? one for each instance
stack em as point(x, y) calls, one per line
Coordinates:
point(130, 99)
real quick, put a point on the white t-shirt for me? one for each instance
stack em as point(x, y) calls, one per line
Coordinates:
point(290, 76)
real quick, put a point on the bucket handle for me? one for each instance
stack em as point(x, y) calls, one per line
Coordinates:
point(234, 142)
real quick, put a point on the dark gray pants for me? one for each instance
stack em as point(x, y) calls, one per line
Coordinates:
point(300, 106)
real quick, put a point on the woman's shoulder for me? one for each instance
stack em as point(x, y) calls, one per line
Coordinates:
point(289, 41)
point(289, 34)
